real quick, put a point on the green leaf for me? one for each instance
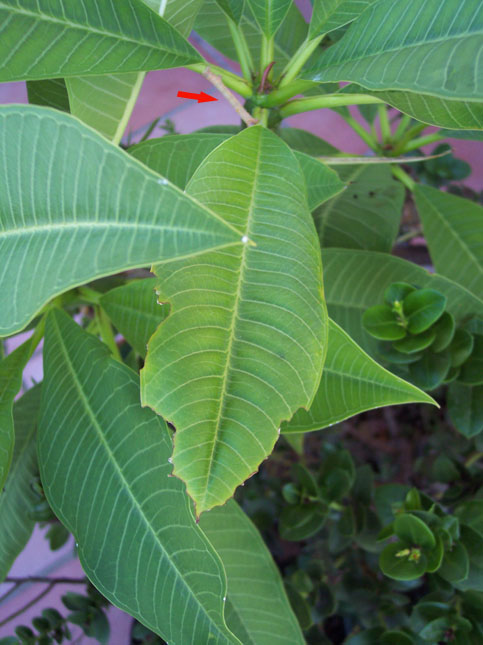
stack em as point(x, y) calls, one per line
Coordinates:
point(397, 566)
point(356, 280)
point(232, 8)
point(177, 157)
point(105, 102)
point(135, 311)
point(11, 368)
point(435, 556)
point(58, 215)
point(389, 46)
point(322, 182)
point(248, 324)
point(461, 347)
point(397, 291)
point(472, 370)
point(455, 565)
point(304, 141)
point(367, 214)
point(101, 38)
point(49, 93)
point(444, 329)
point(263, 616)
point(413, 344)
point(302, 521)
point(181, 14)
point(97, 443)
point(465, 407)
point(328, 15)
point(352, 382)
point(387, 352)
point(413, 531)
point(17, 496)
point(381, 322)
point(431, 370)
point(211, 25)
point(454, 233)
point(423, 307)
point(269, 14)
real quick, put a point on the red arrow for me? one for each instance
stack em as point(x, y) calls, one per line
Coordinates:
point(201, 97)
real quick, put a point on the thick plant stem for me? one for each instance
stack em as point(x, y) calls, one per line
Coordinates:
point(409, 136)
point(384, 123)
point(266, 54)
point(232, 81)
point(299, 59)
point(231, 98)
point(362, 132)
point(326, 101)
point(403, 177)
point(423, 141)
point(261, 114)
point(281, 96)
point(402, 126)
point(244, 56)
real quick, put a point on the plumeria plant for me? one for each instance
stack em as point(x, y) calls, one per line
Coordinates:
point(200, 295)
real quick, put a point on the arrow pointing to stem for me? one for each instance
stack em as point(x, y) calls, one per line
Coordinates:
point(201, 97)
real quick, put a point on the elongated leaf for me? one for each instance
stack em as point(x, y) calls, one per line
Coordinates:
point(423, 46)
point(465, 407)
point(322, 182)
point(97, 443)
point(49, 93)
point(177, 157)
point(48, 40)
point(257, 608)
point(105, 102)
point(248, 325)
point(134, 310)
point(181, 14)
point(11, 368)
point(81, 208)
point(366, 215)
point(307, 142)
point(17, 497)
point(356, 280)
point(328, 15)
point(352, 382)
point(453, 228)
point(211, 25)
point(269, 14)
point(232, 8)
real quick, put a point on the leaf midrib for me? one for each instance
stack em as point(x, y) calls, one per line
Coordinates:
point(113, 461)
point(234, 318)
point(92, 30)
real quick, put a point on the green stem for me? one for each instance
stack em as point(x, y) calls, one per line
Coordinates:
point(472, 459)
point(402, 126)
point(326, 101)
point(244, 56)
point(410, 134)
point(231, 80)
point(405, 237)
point(37, 335)
point(363, 133)
point(89, 295)
point(106, 332)
point(281, 96)
point(423, 141)
point(384, 123)
point(298, 60)
point(403, 177)
point(267, 53)
point(262, 115)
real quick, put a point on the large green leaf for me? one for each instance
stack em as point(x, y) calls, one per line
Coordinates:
point(74, 207)
point(367, 214)
point(269, 14)
point(232, 8)
point(105, 102)
point(257, 608)
point(11, 368)
point(352, 382)
point(211, 25)
point(134, 310)
point(304, 141)
point(64, 38)
point(328, 15)
point(104, 464)
point(49, 93)
point(429, 47)
point(453, 228)
point(17, 497)
point(177, 157)
point(180, 14)
point(356, 280)
point(247, 325)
